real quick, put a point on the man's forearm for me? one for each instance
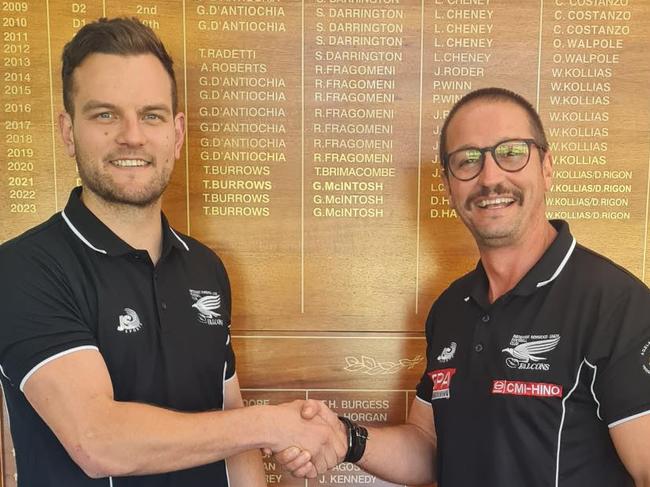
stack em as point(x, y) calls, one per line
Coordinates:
point(401, 454)
point(114, 438)
point(138, 439)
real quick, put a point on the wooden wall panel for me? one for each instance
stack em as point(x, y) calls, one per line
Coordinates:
point(311, 163)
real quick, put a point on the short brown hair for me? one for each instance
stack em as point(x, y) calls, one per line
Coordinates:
point(122, 36)
point(494, 94)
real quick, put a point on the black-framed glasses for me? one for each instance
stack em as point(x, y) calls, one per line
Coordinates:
point(511, 155)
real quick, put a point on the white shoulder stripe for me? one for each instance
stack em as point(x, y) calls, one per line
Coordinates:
point(561, 266)
point(3, 372)
point(180, 239)
point(54, 357)
point(559, 433)
point(625, 420)
point(593, 393)
point(79, 235)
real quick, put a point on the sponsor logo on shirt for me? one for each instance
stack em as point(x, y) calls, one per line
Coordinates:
point(206, 303)
point(129, 322)
point(447, 353)
point(526, 351)
point(441, 379)
point(531, 389)
point(645, 357)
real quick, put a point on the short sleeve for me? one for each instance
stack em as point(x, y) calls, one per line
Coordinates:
point(425, 386)
point(621, 356)
point(224, 283)
point(230, 361)
point(40, 316)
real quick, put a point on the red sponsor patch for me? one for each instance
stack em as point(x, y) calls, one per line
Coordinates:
point(441, 379)
point(520, 388)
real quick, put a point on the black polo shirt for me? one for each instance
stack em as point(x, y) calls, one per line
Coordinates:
point(71, 284)
point(523, 390)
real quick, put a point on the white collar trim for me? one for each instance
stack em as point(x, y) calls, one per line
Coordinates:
point(180, 239)
point(80, 236)
point(561, 266)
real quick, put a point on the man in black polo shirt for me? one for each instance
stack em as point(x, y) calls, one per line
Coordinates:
point(115, 351)
point(538, 361)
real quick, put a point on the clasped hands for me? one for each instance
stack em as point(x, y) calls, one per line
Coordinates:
point(312, 438)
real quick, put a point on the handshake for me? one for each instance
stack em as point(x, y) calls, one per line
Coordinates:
point(307, 438)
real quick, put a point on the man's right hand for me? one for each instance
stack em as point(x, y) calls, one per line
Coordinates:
point(303, 462)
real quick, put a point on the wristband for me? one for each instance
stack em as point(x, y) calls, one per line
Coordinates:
point(357, 436)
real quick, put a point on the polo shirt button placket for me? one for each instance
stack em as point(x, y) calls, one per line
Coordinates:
point(481, 334)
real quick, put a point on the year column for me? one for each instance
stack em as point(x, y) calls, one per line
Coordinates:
point(26, 167)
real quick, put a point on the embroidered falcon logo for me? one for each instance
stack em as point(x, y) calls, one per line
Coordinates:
point(525, 352)
point(207, 304)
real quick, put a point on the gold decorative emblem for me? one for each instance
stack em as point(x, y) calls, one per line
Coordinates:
point(370, 366)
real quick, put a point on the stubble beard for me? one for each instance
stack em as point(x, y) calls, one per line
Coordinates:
point(497, 235)
point(103, 185)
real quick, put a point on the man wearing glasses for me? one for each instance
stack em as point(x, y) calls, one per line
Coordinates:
point(538, 368)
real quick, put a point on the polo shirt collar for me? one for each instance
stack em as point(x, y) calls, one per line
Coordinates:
point(171, 239)
point(549, 267)
point(545, 271)
point(97, 236)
